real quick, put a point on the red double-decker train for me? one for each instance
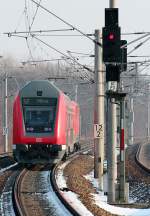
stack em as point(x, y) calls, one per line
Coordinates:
point(45, 124)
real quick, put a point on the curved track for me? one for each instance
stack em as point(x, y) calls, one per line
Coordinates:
point(138, 176)
point(59, 194)
point(19, 207)
point(30, 192)
point(34, 191)
point(142, 157)
point(6, 207)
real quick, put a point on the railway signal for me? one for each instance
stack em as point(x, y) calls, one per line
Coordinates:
point(123, 55)
point(111, 45)
point(111, 37)
point(112, 73)
point(115, 59)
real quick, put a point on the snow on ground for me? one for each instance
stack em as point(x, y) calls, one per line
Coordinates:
point(70, 196)
point(120, 210)
point(100, 199)
point(54, 205)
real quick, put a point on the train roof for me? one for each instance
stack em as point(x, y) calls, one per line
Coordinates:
point(39, 88)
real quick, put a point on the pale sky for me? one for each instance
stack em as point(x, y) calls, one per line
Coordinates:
point(87, 15)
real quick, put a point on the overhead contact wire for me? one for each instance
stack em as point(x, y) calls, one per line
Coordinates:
point(66, 23)
point(62, 53)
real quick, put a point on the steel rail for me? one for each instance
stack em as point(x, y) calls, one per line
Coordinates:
point(19, 207)
point(59, 194)
point(17, 202)
point(139, 162)
point(71, 209)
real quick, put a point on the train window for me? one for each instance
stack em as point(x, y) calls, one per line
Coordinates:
point(39, 119)
point(39, 101)
point(39, 93)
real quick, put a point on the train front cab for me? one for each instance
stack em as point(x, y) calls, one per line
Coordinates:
point(36, 122)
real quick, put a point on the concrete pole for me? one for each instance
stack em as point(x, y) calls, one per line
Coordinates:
point(131, 117)
point(112, 3)
point(147, 120)
point(76, 92)
point(99, 112)
point(132, 120)
point(136, 76)
point(122, 197)
point(148, 131)
point(112, 141)
point(5, 114)
point(58, 70)
point(111, 148)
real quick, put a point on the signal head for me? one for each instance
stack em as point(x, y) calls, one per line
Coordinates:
point(111, 36)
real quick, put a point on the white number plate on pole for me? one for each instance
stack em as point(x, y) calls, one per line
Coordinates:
point(5, 131)
point(98, 131)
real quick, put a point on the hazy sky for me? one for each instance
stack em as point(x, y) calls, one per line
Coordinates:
point(87, 15)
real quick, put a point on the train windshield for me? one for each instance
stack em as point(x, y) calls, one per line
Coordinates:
point(39, 118)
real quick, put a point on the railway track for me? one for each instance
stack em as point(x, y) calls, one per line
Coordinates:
point(59, 194)
point(6, 201)
point(38, 198)
point(142, 157)
point(34, 191)
point(18, 205)
point(138, 177)
point(31, 188)
point(29, 191)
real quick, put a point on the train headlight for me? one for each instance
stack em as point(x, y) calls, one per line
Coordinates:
point(45, 129)
point(30, 129)
point(14, 147)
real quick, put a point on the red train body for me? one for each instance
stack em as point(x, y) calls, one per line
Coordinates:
point(45, 124)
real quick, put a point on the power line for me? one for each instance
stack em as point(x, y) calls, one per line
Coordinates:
point(139, 56)
point(66, 23)
point(135, 33)
point(127, 44)
point(134, 75)
point(85, 54)
point(35, 15)
point(67, 57)
point(62, 35)
point(144, 68)
point(27, 19)
point(37, 31)
point(45, 60)
point(143, 62)
point(30, 52)
point(63, 54)
point(20, 36)
point(18, 23)
point(139, 45)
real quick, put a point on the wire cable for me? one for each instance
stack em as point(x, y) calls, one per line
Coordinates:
point(37, 31)
point(127, 44)
point(139, 45)
point(30, 52)
point(67, 23)
point(63, 54)
point(35, 14)
point(18, 23)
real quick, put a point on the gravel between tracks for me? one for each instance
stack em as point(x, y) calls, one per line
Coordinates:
point(74, 173)
point(139, 182)
point(5, 162)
